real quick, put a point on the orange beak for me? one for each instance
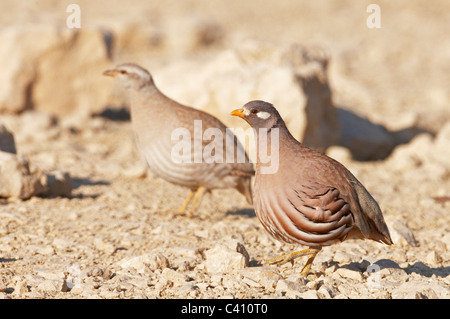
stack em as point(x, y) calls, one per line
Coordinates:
point(111, 73)
point(238, 112)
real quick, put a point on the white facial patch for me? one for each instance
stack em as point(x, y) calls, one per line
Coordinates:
point(246, 112)
point(263, 115)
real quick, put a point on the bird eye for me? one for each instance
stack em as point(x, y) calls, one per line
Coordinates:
point(123, 71)
point(254, 111)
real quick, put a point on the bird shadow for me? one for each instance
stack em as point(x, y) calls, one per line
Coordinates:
point(418, 267)
point(245, 212)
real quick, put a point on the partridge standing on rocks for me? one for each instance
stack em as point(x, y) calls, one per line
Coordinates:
point(155, 118)
point(311, 199)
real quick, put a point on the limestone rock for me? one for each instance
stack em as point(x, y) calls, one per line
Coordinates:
point(290, 289)
point(152, 261)
point(53, 69)
point(415, 289)
point(59, 183)
point(17, 179)
point(222, 259)
point(402, 234)
point(441, 147)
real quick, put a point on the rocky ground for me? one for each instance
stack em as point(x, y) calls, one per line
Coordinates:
point(115, 233)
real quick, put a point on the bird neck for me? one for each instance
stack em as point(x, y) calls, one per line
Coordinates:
point(268, 143)
point(141, 97)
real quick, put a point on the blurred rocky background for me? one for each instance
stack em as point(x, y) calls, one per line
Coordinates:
point(71, 183)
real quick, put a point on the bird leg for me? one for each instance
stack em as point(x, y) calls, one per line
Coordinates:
point(196, 200)
point(186, 202)
point(312, 252)
point(307, 266)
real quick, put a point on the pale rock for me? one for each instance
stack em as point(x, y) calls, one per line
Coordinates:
point(191, 32)
point(402, 234)
point(347, 273)
point(347, 290)
point(104, 245)
point(240, 248)
point(20, 288)
point(186, 251)
point(6, 140)
point(4, 296)
point(418, 289)
point(37, 125)
point(412, 155)
point(138, 282)
point(426, 294)
point(325, 292)
point(49, 274)
point(157, 261)
point(17, 179)
point(162, 285)
point(343, 257)
point(3, 284)
point(30, 80)
point(59, 183)
point(433, 258)
point(135, 37)
point(189, 290)
point(309, 294)
point(222, 259)
point(310, 65)
point(140, 263)
point(50, 286)
point(174, 276)
point(441, 146)
point(290, 289)
point(259, 274)
point(107, 292)
point(446, 240)
point(61, 244)
point(176, 35)
point(232, 282)
point(45, 250)
point(251, 282)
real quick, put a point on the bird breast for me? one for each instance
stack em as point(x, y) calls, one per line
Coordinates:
point(312, 217)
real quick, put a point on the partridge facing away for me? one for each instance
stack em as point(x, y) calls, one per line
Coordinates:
point(155, 118)
point(311, 199)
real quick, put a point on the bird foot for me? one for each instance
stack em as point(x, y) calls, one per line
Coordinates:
point(292, 256)
point(280, 260)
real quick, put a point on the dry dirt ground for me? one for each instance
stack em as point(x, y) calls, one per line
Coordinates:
point(117, 235)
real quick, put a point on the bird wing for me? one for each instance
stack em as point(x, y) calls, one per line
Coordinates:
point(229, 148)
point(367, 215)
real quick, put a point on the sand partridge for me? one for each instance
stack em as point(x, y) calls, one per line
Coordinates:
point(310, 198)
point(209, 157)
